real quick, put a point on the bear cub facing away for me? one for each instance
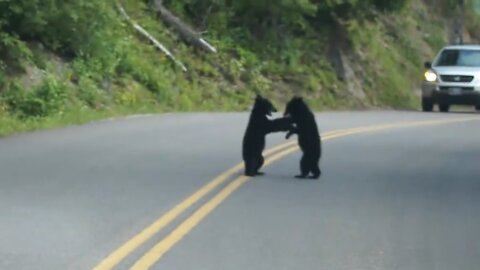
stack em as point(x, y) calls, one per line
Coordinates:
point(308, 137)
point(258, 127)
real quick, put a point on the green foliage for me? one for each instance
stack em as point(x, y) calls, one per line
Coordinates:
point(387, 62)
point(90, 29)
point(436, 35)
point(90, 93)
point(48, 99)
point(94, 61)
point(253, 20)
point(254, 13)
point(2, 76)
point(12, 49)
point(390, 5)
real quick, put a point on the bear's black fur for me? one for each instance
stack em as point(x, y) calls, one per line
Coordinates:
point(308, 137)
point(258, 127)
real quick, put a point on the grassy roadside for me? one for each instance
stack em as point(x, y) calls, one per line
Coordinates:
point(11, 125)
point(50, 79)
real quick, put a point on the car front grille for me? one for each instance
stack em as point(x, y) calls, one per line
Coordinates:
point(456, 78)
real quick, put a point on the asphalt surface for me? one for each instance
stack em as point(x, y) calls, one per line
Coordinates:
point(393, 199)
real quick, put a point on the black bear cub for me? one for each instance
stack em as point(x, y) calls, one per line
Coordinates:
point(308, 137)
point(258, 127)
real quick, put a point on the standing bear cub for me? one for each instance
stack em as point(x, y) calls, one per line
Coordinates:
point(258, 127)
point(308, 137)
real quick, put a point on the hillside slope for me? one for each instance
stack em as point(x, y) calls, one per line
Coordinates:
point(69, 61)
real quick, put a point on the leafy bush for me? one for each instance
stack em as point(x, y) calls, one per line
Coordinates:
point(89, 93)
point(2, 76)
point(87, 28)
point(272, 19)
point(390, 5)
point(48, 99)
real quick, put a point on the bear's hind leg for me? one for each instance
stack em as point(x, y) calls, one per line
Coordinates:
point(314, 166)
point(316, 172)
point(250, 167)
point(259, 164)
point(303, 168)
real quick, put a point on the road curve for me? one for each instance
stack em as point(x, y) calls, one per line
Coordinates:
point(402, 198)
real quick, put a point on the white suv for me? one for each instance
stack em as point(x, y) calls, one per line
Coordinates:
point(453, 78)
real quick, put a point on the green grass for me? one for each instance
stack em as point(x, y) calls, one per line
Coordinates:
point(117, 72)
point(10, 124)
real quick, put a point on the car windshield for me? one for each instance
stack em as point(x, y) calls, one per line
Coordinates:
point(456, 57)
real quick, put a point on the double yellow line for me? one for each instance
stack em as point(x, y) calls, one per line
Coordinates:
point(156, 252)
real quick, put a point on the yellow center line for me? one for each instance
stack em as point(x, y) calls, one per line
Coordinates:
point(114, 258)
point(154, 254)
point(128, 247)
point(157, 252)
point(288, 144)
point(123, 251)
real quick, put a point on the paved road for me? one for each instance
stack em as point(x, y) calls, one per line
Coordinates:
point(393, 199)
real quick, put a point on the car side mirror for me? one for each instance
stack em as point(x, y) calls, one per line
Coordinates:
point(428, 65)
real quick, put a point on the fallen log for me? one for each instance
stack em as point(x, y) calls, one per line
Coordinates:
point(186, 33)
point(155, 42)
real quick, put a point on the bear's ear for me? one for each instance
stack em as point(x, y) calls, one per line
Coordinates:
point(258, 96)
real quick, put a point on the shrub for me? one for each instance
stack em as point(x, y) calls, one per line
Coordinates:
point(49, 98)
point(87, 28)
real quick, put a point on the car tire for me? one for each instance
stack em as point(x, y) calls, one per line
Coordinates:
point(477, 107)
point(427, 105)
point(444, 107)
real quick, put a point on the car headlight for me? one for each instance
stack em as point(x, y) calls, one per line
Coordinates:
point(430, 76)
